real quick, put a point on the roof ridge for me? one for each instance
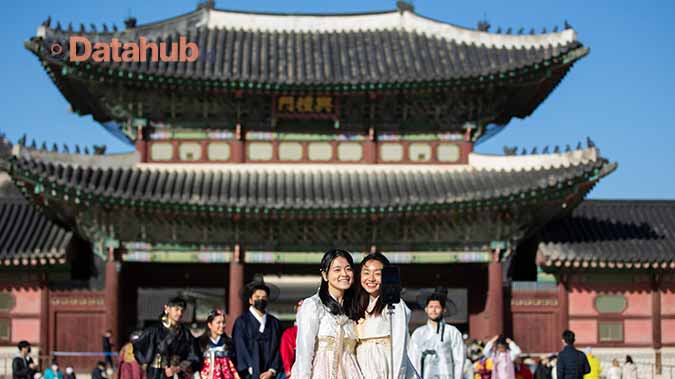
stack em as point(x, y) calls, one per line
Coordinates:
point(534, 161)
point(327, 22)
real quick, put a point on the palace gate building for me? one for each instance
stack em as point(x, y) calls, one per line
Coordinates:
point(293, 133)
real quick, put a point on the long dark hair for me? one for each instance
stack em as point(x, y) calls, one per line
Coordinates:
point(205, 337)
point(362, 298)
point(333, 306)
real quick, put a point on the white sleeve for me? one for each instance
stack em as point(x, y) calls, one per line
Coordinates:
point(308, 328)
point(487, 350)
point(414, 350)
point(515, 350)
point(458, 352)
point(399, 339)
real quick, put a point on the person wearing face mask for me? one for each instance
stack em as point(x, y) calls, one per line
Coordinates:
point(23, 366)
point(168, 348)
point(326, 341)
point(437, 349)
point(373, 351)
point(70, 373)
point(257, 336)
point(216, 346)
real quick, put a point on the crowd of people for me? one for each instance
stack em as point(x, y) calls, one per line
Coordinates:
point(347, 330)
point(569, 363)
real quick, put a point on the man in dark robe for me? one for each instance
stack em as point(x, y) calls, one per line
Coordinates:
point(23, 366)
point(168, 349)
point(257, 336)
point(107, 348)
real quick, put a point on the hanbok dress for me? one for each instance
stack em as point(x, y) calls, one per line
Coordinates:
point(375, 341)
point(326, 344)
point(437, 351)
point(161, 346)
point(218, 361)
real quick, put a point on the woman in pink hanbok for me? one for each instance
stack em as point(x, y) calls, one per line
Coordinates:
point(326, 342)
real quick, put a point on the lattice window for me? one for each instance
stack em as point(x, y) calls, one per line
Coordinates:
point(6, 302)
point(5, 329)
point(610, 331)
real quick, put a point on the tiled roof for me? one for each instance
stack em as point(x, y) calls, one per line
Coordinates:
point(312, 187)
point(27, 237)
point(307, 50)
point(612, 234)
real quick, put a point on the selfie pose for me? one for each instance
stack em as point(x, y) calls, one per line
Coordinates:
point(326, 341)
point(437, 349)
point(373, 330)
point(168, 348)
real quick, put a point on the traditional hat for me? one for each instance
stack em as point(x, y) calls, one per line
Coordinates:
point(259, 283)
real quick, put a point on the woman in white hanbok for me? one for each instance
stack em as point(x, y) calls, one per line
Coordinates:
point(373, 330)
point(326, 341)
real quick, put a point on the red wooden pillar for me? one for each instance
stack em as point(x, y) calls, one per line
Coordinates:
point(141, 145)
point(495, 298)
point(490, 320)
point(238, 146)
point(563, 303)
point(370, 147)
point(236, 284)
point(44, 318)
point(656, 321)
point(111, 298)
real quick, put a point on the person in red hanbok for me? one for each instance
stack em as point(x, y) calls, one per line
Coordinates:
point(217, 349)
point(287, 348)
point(128, 366)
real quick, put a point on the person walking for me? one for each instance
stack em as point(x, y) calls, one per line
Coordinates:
point(629, 369)
point(572, 363)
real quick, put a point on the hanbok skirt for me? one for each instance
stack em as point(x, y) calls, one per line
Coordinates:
point(374, 358)
point(326, 366)
point(223, 368)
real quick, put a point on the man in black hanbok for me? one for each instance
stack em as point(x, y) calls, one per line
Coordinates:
point(257, 336)
point(168, 349)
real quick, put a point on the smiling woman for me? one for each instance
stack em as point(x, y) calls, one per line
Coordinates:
point(326, 341)
point(380, 331)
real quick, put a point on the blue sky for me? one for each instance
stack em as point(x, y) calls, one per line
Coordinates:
point(621, 95)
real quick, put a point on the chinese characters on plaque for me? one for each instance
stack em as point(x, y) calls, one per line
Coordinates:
point(305, 106)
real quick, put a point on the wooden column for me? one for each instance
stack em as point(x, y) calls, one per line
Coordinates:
point(141, 145)
point(236, 284)
point(489, 321)
point(656, 321)
point(238, 148)
point(44, 317)
point(370, 147)
point(495, 298)
point(111, 298)
point(563, 303)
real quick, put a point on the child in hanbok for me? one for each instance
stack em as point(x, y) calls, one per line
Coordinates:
point(373, 351)
point(216, 347)
point(326, 342)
